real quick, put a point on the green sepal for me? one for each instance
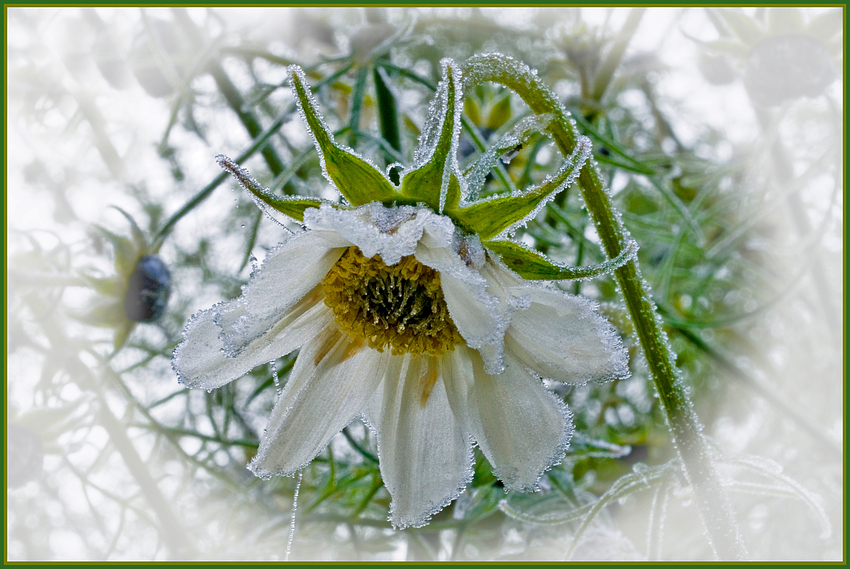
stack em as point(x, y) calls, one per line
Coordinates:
point(826, 25)
point(290, 206)
point(108, 314)
point(109, 286)
point(122, 332)
point(434, 183)
point(534, 266)
point(747, 30)
point(472, 110)
point(138, 234)
point(126, 253)
point(490, 217)
point(784, 20)
point(357, 180)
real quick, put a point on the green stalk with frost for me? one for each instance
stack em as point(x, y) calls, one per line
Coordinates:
point(684, 425)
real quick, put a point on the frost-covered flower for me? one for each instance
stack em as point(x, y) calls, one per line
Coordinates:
point(407, 315)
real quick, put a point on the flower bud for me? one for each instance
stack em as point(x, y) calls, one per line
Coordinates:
point(148, 289)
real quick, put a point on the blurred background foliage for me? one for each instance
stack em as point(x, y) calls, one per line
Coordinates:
point(719, 132)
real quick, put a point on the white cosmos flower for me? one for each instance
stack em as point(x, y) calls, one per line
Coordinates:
point(409, 323)
point(406, 315)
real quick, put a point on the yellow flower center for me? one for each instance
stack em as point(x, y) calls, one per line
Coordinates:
point(401, 306)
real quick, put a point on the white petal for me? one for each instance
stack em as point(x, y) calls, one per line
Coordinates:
point(290, 271)
point(561, 337)
point(200, 361)
point(426, 459)
point(329, 386)
point(479, 316)
point(391, 232)
point(521, 427)
point(458, 376)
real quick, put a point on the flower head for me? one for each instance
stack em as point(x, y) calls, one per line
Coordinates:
point(139, 290)
point(407, 315)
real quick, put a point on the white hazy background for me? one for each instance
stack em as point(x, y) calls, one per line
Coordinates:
point(77, 496)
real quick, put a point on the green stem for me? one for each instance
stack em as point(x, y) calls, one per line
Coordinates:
point(252, 124)
point(684, 425)
point(387, 109)
point(358, 97)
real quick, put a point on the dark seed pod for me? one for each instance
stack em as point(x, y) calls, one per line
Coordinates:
point(148, 290)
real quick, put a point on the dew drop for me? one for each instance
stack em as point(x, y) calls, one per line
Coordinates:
point(292, 518)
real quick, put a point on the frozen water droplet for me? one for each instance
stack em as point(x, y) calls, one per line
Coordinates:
point(292, 518)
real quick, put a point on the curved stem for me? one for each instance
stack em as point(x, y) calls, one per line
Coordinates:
point(684, 425)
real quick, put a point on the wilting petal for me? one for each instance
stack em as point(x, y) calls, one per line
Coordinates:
point(521, 427)
point(480, 317)
point(458, 375)
point(426, 459)
point(560, 337)
point(290, 271)
point(200, 361)
point(330, 385)
point(391, 232)
point(499, 282)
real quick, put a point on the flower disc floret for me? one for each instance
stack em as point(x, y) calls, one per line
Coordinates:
point(400, 306)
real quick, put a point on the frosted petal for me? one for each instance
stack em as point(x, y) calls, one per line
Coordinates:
point(458, 375)
point(521, 427)
point(426, 459)
point(199, 360)
point(478, 315)
point(329, 386)
point(561, 337)
point(391, 232)
point(290, 271)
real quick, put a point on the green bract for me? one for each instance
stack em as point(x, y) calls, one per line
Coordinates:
point(435, 179)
